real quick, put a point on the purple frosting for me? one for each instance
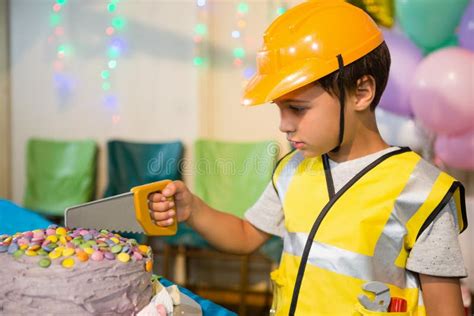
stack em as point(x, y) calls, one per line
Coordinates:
point(107, 287)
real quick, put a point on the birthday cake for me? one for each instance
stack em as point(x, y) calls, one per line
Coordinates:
point(75, 272)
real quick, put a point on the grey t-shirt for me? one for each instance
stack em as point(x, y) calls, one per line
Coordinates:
point(436, 252)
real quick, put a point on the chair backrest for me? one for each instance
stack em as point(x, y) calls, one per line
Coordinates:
point(230, 176)
point(131, 164)
point(59, 174)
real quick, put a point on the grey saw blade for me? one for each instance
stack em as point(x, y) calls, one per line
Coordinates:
point(116, 213)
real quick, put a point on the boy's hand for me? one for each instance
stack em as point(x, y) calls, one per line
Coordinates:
point(163, 211)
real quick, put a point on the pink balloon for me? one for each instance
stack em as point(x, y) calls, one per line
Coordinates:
point(456, 151)
point(405, 57)
point(442, 96)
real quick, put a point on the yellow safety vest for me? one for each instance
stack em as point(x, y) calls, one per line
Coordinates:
point(364, 232)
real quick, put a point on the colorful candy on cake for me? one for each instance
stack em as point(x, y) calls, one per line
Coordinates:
point(73, 271)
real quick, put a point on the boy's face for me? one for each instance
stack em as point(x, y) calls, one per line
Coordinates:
point(310, 118)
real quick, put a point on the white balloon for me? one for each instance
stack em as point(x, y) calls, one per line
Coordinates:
point(398, 130)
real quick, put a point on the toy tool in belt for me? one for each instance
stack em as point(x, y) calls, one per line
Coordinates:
point(126, 213)
point(382, 296)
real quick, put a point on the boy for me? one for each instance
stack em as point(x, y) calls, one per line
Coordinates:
point(350, 208)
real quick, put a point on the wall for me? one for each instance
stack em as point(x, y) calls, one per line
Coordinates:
point(5, 137)
point(154, 82)
point(162, 95)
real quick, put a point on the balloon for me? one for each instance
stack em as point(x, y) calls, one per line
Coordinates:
point(429, 23)
point(441, 95)
point(397, 130)
point(380, 10)
point(457, 151)
point(405, 57)
point(466, 28)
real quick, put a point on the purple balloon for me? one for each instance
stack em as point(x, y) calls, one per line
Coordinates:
point(457, 152)
point(466, 28)
point(441, 93)
point(405, 57)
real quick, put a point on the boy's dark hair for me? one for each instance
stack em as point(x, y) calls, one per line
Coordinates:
point(376, 64)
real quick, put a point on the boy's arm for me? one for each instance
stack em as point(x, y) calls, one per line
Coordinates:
point(224, 231)
point(441, 296)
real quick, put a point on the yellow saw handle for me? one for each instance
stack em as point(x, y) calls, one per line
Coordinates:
point(140, 200)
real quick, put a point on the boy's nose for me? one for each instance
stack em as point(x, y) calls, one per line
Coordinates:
point(286, 125)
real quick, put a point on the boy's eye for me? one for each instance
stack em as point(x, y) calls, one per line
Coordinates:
point(297, 109)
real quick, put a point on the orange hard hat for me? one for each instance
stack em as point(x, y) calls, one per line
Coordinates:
point(304, 44)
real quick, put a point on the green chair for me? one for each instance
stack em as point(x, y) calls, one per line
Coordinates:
point(59, 174)
point(229, 176)
point(133, 163)
point(232, 176)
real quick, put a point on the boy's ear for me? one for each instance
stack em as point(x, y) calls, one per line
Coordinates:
point(364, 92)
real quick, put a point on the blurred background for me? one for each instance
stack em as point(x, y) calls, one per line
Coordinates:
point(98, 96)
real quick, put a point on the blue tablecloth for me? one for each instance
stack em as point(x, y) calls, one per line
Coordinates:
point(14, 218)
point(208, 307)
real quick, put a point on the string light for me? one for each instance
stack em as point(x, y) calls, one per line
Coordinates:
point(201, 29)
point(115, 119)
point(55, 19)
point(118, 23)
point(58, 31)
point(282, 7)
point(238, 62)
point(243, 8)
point(62, 51)
point(109, 31)
point(114, 51)
point(112, 64)
point(200, 34)
point(112, 7)
point(111, 101)
point(198, 61)
point(249, 72)
point(238, 52)
point(106, 86)
point(240, 56)
point(105, 74)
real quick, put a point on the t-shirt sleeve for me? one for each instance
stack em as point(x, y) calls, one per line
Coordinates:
point(437, 251)
point(267, 213)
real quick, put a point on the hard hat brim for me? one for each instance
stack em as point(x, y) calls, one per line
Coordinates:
point(263, 88)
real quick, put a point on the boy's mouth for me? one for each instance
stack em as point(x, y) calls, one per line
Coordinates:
point(297, 145)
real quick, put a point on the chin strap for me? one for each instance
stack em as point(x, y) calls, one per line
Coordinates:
point(340, 82)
